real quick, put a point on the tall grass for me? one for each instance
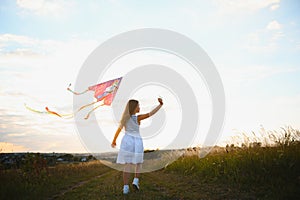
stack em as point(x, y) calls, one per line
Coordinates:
point(28, 183)
point(270, 171)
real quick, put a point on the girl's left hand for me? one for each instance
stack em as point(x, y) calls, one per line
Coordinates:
point(113, 145)
point(160, 101)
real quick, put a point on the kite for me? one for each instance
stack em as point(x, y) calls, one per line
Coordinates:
point(103, 92)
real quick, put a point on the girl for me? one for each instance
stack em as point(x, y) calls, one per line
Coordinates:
point(131, 148)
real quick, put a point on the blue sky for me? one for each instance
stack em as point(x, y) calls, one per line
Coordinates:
point(254, 44)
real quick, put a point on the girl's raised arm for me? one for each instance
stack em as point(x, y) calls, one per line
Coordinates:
point(147, 115)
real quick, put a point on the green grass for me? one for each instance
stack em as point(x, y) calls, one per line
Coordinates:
point(21, 184)
point(252, 171)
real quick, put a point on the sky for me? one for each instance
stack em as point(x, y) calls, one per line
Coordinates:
point(254, 44)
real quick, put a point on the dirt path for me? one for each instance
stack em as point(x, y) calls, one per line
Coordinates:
point(156, 185)
point(109, 186)
point(77, 185)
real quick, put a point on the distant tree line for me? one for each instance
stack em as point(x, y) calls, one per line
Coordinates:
point(39, 160)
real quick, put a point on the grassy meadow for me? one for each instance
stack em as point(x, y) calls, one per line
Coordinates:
point(249, 171)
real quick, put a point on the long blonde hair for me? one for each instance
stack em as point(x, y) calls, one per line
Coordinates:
point(128, 111)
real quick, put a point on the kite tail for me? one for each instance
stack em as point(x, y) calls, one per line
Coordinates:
point(66, 116)
point(88, 115)
point(52, 112)
point(82, 107)
point(33, 110)
point(48, 111)
point(77, 93)
point(71, 114)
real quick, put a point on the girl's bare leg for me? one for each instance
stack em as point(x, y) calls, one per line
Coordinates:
point(126, 173)
point(137, 170)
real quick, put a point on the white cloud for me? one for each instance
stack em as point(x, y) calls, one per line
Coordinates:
point(24, 40)
point(21, 52)
point(274, 7)
point(13, 44)
point(274, 25)
point(243, 6)
point(265, 40)
point(14, 47)
point(238, 76)
point(298, 46)
point(44, 7)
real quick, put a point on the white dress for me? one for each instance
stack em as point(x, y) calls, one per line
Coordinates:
point(131, 149)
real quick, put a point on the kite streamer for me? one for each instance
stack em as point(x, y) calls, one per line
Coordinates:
point(36, 111)
point(103, 92)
